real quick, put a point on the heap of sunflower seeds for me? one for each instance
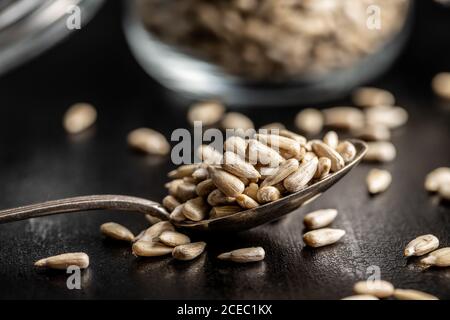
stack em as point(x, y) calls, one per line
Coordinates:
point(267, 39)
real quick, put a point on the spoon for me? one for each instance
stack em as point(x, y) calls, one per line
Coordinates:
point(240, 221)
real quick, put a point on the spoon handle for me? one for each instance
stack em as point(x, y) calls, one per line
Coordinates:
point(85, 203)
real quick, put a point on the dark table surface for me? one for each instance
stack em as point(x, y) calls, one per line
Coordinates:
point(38, 161)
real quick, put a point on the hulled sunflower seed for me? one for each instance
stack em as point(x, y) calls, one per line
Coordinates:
point(183, 171)
point(246, 202)
point(186, 191)
point(152, 220)
point(148, 141)
point(438, 258)
point(300, 178)
point(437, 178)
point(195, 209)
point(173, 238)
point(244, 255)
point(218, 198)
point(172, 186)
point(421, 246)
point(391, 117)
point(284, 170)
point(207, 112)
point(409, 294)
point(170, 203)
point(294, 136)
point(223, 211)
point(273, 126)
point(372, 97)
point(347, 118)
point(236, 145)
point(322, 237)
point(309, 121)
point(268, 194)
point(323, 150)
point(376, 132)
point(63, 261)
point(154, 231)
point(204, 188)
point(378, 181)
point(323, 168)
point(381, 151)
point(79, 117)
point(444, 191)
point(320, 218)
point(252, 191)
point(150, 249)
point(377, 288)
point(236, 121)
point(280, 143)
point(189, 251)
point(331, 139)
point(441, 85)
point(308, 157)
point(177, 214)
point(209, 155)
point(229, 184)
point(199, 175)
point(361, 297)
point(347, 151)
point(116, 231)
point(238, 167)
point(263, 154)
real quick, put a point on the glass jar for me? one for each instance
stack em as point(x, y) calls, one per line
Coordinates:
point(29, 27)
point(245, 56)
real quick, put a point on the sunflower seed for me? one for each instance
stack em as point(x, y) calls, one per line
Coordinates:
point(170, 203)
point(152, 220)
point(236, 145)
point(409, 294)
point(186, 191)
point(273, 126)
point(150, 249)
point(252, 191)
point(381, 151)
point(346, 118)
point(375, 132)
point(154, 231)
point(195, 209)
point(444, 191)
point(236, 121)
point(148, 141)
point(377, 288)
point(218, 198)
point(294, 136)
point(320, 218)
point(63, 261)
point(79, 117)
point(268, 194)
point(177, 214)
point(309, 121)
point(173, 238)
point(263, 154)
point(372, 97)
point(246, 202)
point(189, 251)
point(322, 237)
point(300, 178)
point(284, 170)
point(421, 246)
point(323, 168)
point(209, 155)
point(308, 157)
point(204, 188)
point(437, 178)
point(378, 181)
point(323, 150)
point(391, 117)
point(438, 258)
point(361, 297)
point(244, 255)
point(199, 175)
point(207, 112)
point(183, 171)
point(347, 151)
point(441, 85)
point(331, 139)
point(238, 167)
point(172, 186)
point(280, 143)
point(229, 184)
point(116, 231)
point(223, 211)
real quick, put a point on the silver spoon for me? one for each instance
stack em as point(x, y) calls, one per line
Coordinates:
point(237, 222)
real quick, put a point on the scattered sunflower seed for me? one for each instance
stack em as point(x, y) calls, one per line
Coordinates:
point(322, 237)
point(235, 121)
point(378, 181)
point(173, 238)
point(116, 231)
point(441, 85)
point(381, 151)
point(207, 112)
point(444, 191)
point(189, 251)
point(309, 121)
point(421, 246)
point(377, 288)
point(244, 255)
point(346, 118)
point(361, 297)
point(437, 178)
point(320, 218)
point(79, 117)
point(150, 249)
point(148, 141)
point(391, 117)
point(375, 132)
point(63, 261)
point(372, 97)
point(438, 258)
point(408, 294)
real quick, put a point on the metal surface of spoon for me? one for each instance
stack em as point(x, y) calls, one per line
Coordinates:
point(237, 222)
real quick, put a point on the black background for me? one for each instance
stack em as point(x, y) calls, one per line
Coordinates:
point(38, 161)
